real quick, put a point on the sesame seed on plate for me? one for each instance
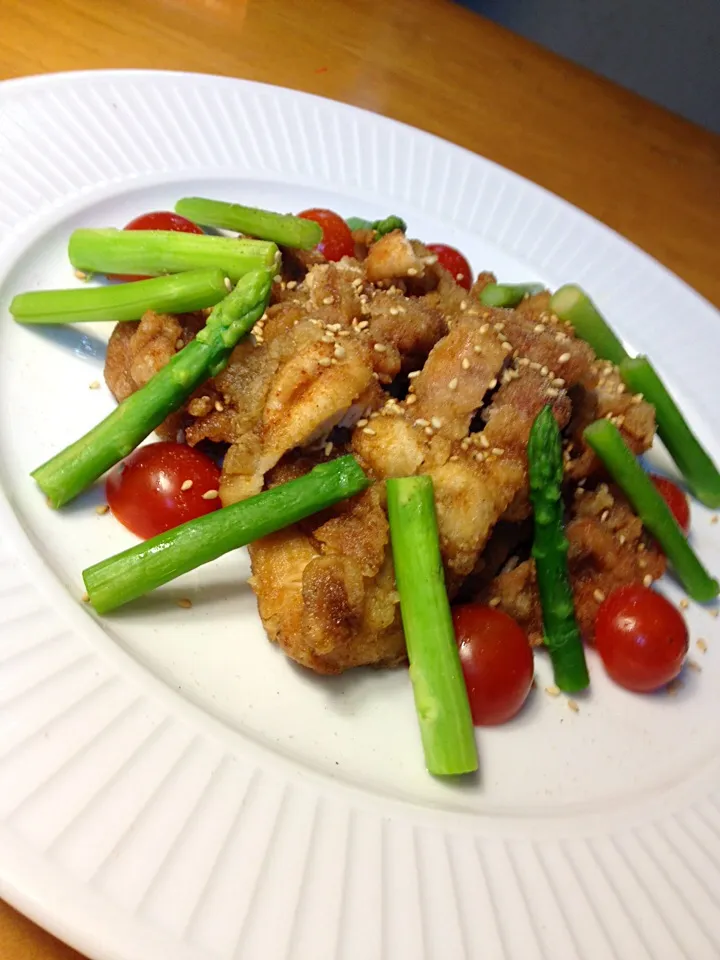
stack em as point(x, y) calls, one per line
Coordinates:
point(563, 358)
point(484, 442)
point(683, 604)
point(429, 431)
point(453, 384)
point(701, 645)
point(539, 328)
point(324, 362)
point(436, 422)
point(379, 348)
point(339, 352)
point(714, 519)
point(544, 371)
point(185, 603)
point(328, 300)
point(219, 407)
point(694, 665)
point(102, 509)
point(552, 691)
point(369, 431)
point(573, 705)
point(465, 363)
point(362, 423)
point(494, 602)
point(421, 422)
point(497, 451)
point(411, 399)
point(85, 598)
point(211, 495)
point(81, 275)
point(95, 385)
point(186, 485)
point(291, 284)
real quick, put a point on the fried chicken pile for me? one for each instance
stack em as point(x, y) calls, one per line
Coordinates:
point(387, 357)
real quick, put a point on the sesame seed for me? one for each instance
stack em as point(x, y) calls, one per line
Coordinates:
point(463, 304)
point(95, 385)
point(477, 348)
point(362, 423)
point(211, 495)
point(552, 392)
point(411, 399)
point(228, 284)
point(85, 598)
point(436, 422)
point(458, 276)
point(563, 358)
point(339, 352)
point(102, 509)
point(412, 272)
point(544, 371)
point(558, 382)
point(484, 328)
point(492, 384)
point(507, 347)
point(701, 645)
point(494, 602)
point(369, 431)
point(454, 458)
point(277, 278)
point(714, 519)
point(479, 456)
point(185, 603)
point(179, 344)
point(604, 515)
point(714, 613)
point(81, 275)
point(413, 374)
point(428, 431)
point(499, 327)
point(642, 563)
point(497, 451)
point(573, 705)
point(380, 348)
point(621, 388)
point(421, 422)
point(552, 691)
point(641, 548)
point(219, 407)
point(453, 384)
point(621, 538)
point(186, 485)
point(324, 361)
point(328, 300)
point(524, 361)
point(328, 448)
point(291, 284)
point(539, 328)
point(647, 580)
point(465, 363)
point(683, 604)
point(394, 311)
point(638, 398)
point(598, 595)
point(363, 324)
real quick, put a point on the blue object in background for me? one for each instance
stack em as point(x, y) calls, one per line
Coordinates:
point(665, 50)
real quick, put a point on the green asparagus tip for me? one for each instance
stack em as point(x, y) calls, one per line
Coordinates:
point(571, 304)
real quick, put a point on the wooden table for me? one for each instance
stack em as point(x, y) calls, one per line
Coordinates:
point(650, 175)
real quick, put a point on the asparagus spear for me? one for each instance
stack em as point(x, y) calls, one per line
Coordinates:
point(381, 227)
point(72, 470)
point(507, 294)
point(282, 228)
point(550, 547)
point(148, 565)
point(156, 252)
point(181, 293)
point(439, 688)
point(607, 442)
point(573, 305)
point(694, 462)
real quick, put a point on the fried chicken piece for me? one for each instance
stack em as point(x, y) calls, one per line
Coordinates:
point(394, 256)
point(608, 549)
point(326, 589)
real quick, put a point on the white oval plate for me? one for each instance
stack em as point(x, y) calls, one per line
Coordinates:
point(171, 787)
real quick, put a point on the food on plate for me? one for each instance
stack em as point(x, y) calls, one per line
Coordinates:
point(656, 516)
point(290, 231)
point(693, 461)
point(157, 220)
point(178, 293)
point(441, 698)
point(497, 662)
point(549, 551)
point(156, 252)
point(161, 485)
point(142, 568)
point(72, 470)
point(641, 637)
point(379, 414)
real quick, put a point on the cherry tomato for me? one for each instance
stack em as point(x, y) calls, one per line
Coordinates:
point(497, 662)
point(159, 220)
point(337, 241)
point(641, 638)
point(145, 492)
point(675, 499)
point(454, 262)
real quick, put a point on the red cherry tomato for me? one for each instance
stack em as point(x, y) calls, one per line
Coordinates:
point(497, 662)
point(454, 262)
point(337, 241)
point(159, 220)
point(641, 638)
point(145, 492)
point(675, 499)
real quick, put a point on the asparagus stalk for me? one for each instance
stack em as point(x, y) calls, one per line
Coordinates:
point(694, 462)
point(181, 293)
point(281, 228)
point(142, 568)
point(607, 442)
point(573, 305)
point(156, 252)
point(438, 686)
point(550, 548)
point(381, 227)
point(72, 470)
point(507, 294)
